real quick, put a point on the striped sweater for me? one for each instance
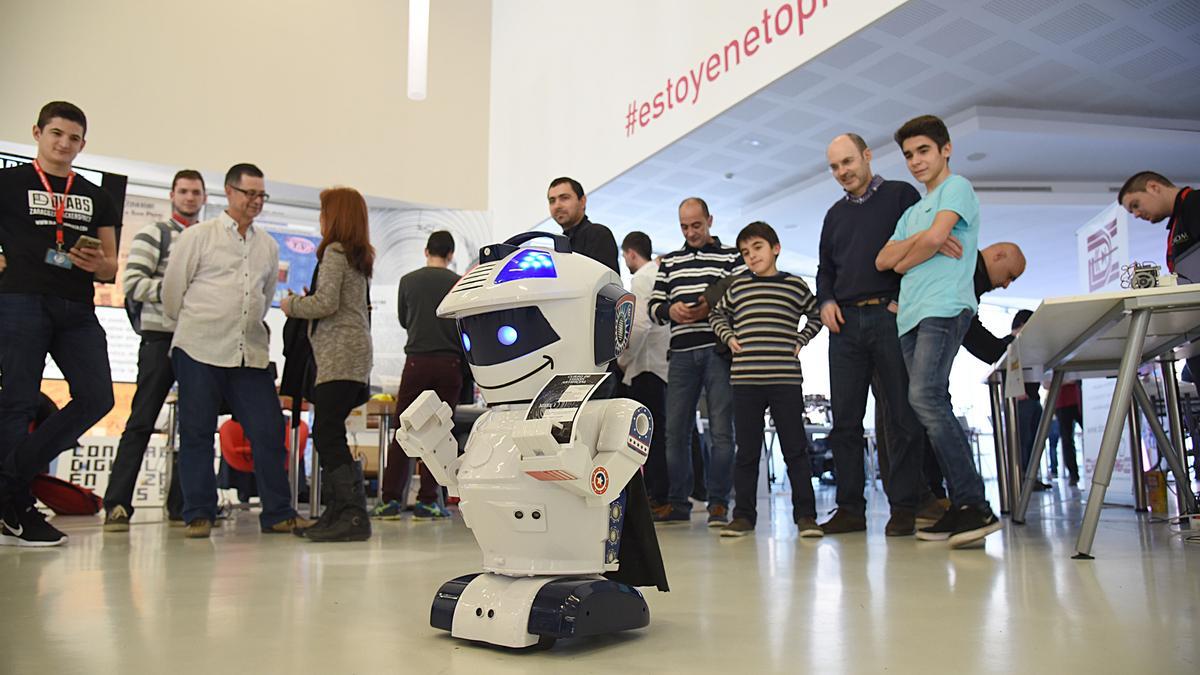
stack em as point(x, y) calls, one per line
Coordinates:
point(763, 313)
point(682, 277)
point(144, 271)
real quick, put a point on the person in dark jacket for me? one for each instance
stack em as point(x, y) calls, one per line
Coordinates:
point(997, 266)
point(568, 206)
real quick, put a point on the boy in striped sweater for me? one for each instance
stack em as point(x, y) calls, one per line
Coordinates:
point(759, 318)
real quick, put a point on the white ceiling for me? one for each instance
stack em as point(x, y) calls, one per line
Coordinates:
point(1063, 99)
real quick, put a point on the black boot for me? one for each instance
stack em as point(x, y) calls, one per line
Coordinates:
point(327, 516)
point(348, 508)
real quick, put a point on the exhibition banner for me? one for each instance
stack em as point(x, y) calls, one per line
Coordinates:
point(1102, 247)
point(90, 463)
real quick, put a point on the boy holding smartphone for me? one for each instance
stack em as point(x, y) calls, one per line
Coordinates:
point(58, 233)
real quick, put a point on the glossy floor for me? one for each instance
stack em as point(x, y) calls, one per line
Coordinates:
point(152, 602)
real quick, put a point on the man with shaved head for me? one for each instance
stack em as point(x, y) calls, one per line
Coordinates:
point(858, 305)
point(997, 266)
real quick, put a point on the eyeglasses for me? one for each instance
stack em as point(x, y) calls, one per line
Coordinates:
point(252, 195)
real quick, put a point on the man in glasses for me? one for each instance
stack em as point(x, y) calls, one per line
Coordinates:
point(218, 287)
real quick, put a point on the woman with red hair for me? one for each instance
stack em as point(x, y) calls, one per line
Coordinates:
point(340, 333)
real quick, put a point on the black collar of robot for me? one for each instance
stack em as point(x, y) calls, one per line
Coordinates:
point(549, 363)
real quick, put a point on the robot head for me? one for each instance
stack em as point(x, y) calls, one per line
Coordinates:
point(526, 314)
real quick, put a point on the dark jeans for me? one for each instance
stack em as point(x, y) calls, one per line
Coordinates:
point(929, 351)
point(1068, 417)
point(32, 326)
point(332, 403)
point(649, 390)
point(250, 393)
point(154, 379)
point(868, 347)
point(439, 372)
point(786, 402)
point(1029, 415)
point(932, 485)
point(688, 373)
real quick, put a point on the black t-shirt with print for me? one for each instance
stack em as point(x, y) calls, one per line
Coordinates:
point(27, 231)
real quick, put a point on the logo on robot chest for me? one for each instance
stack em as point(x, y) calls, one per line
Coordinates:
point(600, 480)
point(624, 323)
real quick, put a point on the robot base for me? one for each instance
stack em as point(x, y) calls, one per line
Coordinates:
point(528, 611)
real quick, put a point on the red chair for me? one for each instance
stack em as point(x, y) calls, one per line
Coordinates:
point(235, 447)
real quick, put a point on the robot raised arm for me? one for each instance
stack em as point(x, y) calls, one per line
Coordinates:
point(425, 433)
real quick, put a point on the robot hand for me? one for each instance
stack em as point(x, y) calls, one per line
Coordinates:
point(425, 434)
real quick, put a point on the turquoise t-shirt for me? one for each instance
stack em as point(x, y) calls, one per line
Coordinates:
point(941, 286)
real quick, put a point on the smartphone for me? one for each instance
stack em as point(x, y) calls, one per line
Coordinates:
point(87, 242)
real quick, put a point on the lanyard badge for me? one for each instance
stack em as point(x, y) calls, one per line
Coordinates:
point(56, 256)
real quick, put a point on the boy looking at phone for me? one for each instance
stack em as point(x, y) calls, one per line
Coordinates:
point(58, 233)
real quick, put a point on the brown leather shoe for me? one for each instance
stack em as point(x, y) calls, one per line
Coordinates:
point(199, 528)
point(843, 522)
point(287, 526)
point(902, 524)
point(930, 512)
point(718, 515)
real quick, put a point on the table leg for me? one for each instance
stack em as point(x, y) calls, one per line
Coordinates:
point(1012, 444)
point(1039, 446)
point(168, 473)
point(294, 469)
point(1187, 500)
point(998, 440)
point(1171, 384)
point(1139, 322)
point(385, 429)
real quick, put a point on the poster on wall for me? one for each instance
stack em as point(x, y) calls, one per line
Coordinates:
point(297, 260)
point(1102, 247)
point(90, 463)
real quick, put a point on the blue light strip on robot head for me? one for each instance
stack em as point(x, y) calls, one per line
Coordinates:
point(528, 264)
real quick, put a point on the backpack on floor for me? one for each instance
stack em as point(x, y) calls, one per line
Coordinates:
point(65, 499)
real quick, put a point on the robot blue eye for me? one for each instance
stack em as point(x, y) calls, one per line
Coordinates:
point(506, 335)
point(528, 264)
point(466, 342)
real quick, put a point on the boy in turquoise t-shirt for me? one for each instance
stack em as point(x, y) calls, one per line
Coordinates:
point(935, 247)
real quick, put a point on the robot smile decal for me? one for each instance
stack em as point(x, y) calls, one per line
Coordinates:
point(548, 364)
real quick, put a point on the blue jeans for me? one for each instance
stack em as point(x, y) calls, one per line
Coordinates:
point(251, 395)
point(929, 351)
point(868, 345)
point(687, 373)
point(32, 326)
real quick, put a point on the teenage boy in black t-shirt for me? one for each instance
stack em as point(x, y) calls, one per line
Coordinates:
point(46, 307)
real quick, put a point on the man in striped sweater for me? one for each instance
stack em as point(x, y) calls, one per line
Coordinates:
point(142, 281)
point(694, 363)
point(758, 318)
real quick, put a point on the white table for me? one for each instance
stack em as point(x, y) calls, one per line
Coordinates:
point(1104, 334)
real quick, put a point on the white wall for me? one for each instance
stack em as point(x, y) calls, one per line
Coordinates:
point(564, 75)
point(310, 90)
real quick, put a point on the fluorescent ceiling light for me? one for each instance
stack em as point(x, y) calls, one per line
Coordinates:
point(418, 49)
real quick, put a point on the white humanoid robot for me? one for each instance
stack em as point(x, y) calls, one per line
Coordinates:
point(540, 482)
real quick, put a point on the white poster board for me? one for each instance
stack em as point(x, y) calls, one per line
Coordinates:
point(1103, 248)
point(90, 463)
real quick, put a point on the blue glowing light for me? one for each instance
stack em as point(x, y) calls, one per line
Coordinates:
point(506, 335)
point(466, 342)
point(528, 264)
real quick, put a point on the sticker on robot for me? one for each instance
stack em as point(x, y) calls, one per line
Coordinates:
point(562, 398)
point(624, 323)
point(600, 480)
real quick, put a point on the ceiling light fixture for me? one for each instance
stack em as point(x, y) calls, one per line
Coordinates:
point(976, 156)
point(418, 49)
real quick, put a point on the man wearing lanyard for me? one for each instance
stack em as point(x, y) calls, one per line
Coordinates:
point(1153, 198)
point(218, 289)
point(142, 282)
point(58, 235)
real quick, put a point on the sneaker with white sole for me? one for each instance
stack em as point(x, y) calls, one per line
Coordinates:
point(739, 527)
point(973, 524)
point(942, 529)
point(26, 526)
